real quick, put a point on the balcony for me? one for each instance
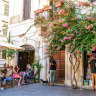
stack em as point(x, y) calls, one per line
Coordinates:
point(47, 14)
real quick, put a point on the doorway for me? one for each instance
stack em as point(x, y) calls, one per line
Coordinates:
point(26, 56)
point(60, 69)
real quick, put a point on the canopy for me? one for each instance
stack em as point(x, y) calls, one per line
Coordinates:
point(4, 46)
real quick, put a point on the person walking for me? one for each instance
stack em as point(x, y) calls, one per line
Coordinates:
point(92, 64)
point(52, 68)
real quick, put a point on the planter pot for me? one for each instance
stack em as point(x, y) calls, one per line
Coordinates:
point(58, 4)
point(39, 11)
point(47, 8)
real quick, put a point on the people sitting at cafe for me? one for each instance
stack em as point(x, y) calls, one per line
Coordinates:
point(29, 72)
point(7, 67)
point(16, 75)
point(4, 70)
point(8, 76)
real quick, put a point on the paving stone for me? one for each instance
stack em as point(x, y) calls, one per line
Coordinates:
point(38, 90)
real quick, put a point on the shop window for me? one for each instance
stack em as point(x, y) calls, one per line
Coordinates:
point(6, 9)
point(26, 9)
point(87, 71)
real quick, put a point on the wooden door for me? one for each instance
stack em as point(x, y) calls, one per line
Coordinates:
point(60, 70)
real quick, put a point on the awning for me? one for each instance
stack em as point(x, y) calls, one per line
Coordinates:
point(4, 46)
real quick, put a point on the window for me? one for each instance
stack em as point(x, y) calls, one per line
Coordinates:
point(3, 54)
point(26, 9)
point(5, 29)
point(6, 9)
point(51, 11)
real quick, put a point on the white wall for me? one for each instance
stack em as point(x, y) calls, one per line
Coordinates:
point(2, 18)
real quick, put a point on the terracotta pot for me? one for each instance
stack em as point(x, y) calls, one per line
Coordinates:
point(47, 8)
point(58, 4)
point(39, 11)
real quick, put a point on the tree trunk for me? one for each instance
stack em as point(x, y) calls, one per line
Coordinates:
point(74, 69)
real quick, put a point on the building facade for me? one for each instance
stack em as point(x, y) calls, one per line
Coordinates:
point(4, 20)
point(25, 34)
point(64, 72)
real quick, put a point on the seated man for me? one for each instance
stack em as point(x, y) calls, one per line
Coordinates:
point(8, 76)
point(29, 73)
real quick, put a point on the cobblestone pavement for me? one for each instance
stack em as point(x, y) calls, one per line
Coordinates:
point(38, 90)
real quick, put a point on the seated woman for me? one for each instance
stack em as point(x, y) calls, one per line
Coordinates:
point(16, 75)
point(8, 76)
point(4, 71)
point(29, 73)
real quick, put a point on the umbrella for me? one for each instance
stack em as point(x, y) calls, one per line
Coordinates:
point(4, 46)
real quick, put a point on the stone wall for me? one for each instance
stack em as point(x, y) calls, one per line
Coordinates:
point(69, 71)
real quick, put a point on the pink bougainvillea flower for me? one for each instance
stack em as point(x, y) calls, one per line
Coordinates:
point(61, 12)
point(56, 37)
point(69, 44)
point(65, 38)
point(61, 40)
point(79, 51)
point(51, 25)
point(78, 5)
point(65, 25)
point(58, 47)
point(76, 31)
point(88, 18)
point(69, 38)
point(93, 48)
point(93, 31)
point(46, 18)
point(53, 45)
point(51, 31)
point(67, 48)
point(45, 33)
point(71, 4)
point(89, 27)
point(71, 54)
point(71, 35)
point(76, 18)
point(61, 21)
point(80, 28)
point(90, 54)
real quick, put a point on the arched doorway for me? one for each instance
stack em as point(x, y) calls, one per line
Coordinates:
point(25, 56)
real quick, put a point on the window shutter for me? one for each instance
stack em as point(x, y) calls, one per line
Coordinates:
point(26, 9)
point(6, 9)
point(5, 30)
